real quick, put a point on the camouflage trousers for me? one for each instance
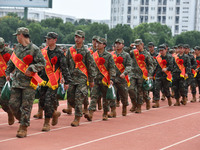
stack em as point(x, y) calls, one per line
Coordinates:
point(136, 92)
point(161, 84)
point(122, 91)
point(48, 101)
point(197, 81)
point(191, 81)
point(97, 91)
point(4, 104)
point(76, 95)
point(179, 86)
point(21, 102)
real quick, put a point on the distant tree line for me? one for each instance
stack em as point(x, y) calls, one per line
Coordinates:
point(148, 32)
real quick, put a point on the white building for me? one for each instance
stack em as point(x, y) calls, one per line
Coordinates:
point(179, 15)
point(35, 14)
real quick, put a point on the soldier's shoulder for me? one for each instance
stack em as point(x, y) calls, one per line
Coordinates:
point(34, 47)
point(7, 49)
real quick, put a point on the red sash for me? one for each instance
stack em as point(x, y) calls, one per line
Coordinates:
point(120, 67)
point(181, 67)
point(168, 73)
point(102, 69)
point(80, 65)
point(91, 51)
point(53, 76)
point(23, 67)
point(141, 64)
point(3, 66)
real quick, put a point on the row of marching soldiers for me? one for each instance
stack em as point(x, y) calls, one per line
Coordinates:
point(79, 69)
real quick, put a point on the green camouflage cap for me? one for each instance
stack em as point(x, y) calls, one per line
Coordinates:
point(150, 44)
point(2, 41)
point(119, 41)
point(102, 40)
point(22, 30)
point(51, 35)
point(95, 37)
point(197, 48)
point(137, 41)
point(180, 45)
point(186, 46)
point(161, 47)
point(80, 33)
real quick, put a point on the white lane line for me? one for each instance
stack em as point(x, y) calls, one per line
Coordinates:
point(121, 133)
point(180, 142)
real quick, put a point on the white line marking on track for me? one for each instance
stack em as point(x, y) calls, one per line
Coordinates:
point(121, 133)
point(180, 142)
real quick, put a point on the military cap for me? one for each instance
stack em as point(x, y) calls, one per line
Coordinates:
point(22, 30)
point(161, 47)
point(137, 41)
point(171, 51)
point(197, 48)
point(186, 46)
point(51, 35)
point(95, 37)
point(180, 45)
point(175, 46)
point(80, 33)
point(119, 41)
point(102, 40)
point(2, 41)
point(150, 44)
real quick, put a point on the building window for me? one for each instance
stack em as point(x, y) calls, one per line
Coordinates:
point(164, 10)
point(141, 19)
point(146, 19)
point(159, 2)
point(129, 2)
point(159, 10)
point(177, 20)
point(142, 10)
point(147, 2)
point(146, 10)
point(177, 10)
point(142, 2)
point(129, 10)
point(159, 19)
point(163, 19)
point(164, 2)
point(185, 11)
point(176, 28)
point(128, 19)
point(177, 2)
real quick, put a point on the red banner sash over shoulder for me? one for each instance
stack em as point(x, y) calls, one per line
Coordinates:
point(91, 51)
point(3, 66)
point(80, 65)
point(120, 67)
point(53, 76)
point(168, 73)
point(181, 67)
point(23, 67)
point(141, 64)
point(102, 69)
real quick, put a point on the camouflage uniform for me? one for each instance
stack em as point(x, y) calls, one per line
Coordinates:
point(120, 83)
point(4, 103)
point(136, 92)
point(48, 100)
point(179, 83)
point(160, 78)
point(99, 87)
point(198, 74)
point(22, 94)
point(78, 90)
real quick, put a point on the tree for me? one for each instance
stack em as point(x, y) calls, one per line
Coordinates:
point(51, 22)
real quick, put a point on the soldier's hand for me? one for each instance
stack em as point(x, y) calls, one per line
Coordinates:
point(122, 76)
point(62, 80)
point(91, 84)
point(164, 69)
point(28, 73)
point(111, 82)
point(7, 78)
point(186, 75)
point(66, 86)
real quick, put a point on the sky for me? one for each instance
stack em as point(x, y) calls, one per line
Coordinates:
point(88, 9)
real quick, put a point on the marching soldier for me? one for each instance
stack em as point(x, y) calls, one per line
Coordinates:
point(55, 63)
point(197, 53)
point(142, 68)
point(163, 76)
point(123, 68)
point(5, 54)
point(182, 68)
point(104, 78)
point(26, 60)
point(81, 66)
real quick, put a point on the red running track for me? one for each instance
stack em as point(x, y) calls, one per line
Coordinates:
point(174, 128)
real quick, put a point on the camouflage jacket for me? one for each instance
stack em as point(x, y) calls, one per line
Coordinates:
point(127, 64)
point(110, 66)
point(2, 52)
point(193, 62)
point(61, 63)
point(20, 80)
point(77, 75)
point(158, 71)
point(136, 71)
point(187, 64)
